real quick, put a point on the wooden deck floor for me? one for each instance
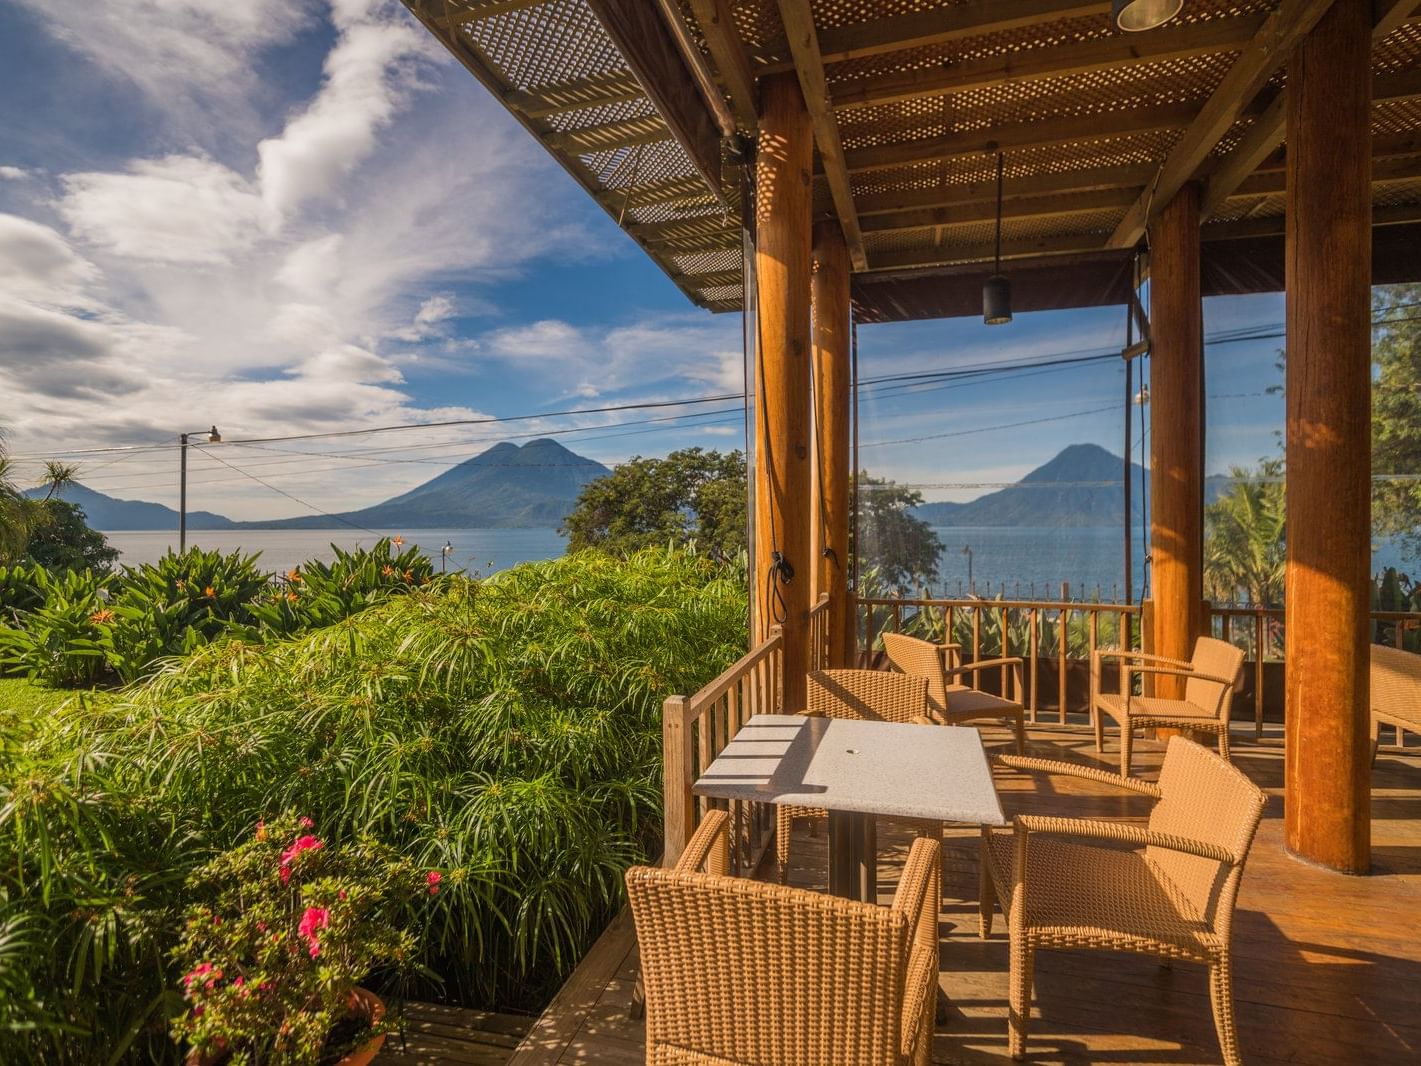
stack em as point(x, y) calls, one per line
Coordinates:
point(434, 1034)
point(1327, 967)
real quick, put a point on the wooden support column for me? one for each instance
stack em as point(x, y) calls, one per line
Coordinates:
point(1326, 802)
point(830, 335)
point(1177, 434)
point(783, 463)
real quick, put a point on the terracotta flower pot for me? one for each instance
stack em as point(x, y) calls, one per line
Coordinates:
point(363, 1003)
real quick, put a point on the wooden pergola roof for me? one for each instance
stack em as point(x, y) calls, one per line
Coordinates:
point(643, 102)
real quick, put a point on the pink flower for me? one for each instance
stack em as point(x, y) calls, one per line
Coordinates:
point(200, 971)
point(314, 920)
point(239, 981)
point(305, 823)
point(300, 844)
point(197, 1011)
point(432, 879)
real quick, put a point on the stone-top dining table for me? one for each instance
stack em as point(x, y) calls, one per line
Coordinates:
point(857, 770)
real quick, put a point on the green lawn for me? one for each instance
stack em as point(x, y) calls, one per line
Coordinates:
point(18, 694)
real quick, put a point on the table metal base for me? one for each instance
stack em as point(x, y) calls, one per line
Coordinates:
point(853, 856)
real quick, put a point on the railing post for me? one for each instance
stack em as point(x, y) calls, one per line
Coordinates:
point(680, 805)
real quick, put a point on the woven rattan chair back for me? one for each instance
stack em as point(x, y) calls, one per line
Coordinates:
point(1396, 684)
point(1202, 797)
point(744, 972)
point(1214, 658)
point(919, 658)
point(872, 695)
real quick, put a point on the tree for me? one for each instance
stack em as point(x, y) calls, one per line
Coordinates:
point(1245, 551)
point(20, 516)
point(1396, 414)
point(691, 495)
point(900, 548)
point(65, 541)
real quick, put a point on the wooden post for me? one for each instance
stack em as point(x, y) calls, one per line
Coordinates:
point(1177, 433)
point(783, 464)
point(830, 335)
point(1326, 800)
point(680, 806)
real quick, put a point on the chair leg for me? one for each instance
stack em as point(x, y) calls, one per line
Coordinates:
point(784, 826)
point(1127, 742)
point(1221, 995)
point(1098, 720)
point(986, 891)
point(1224, 743)
point(1019, 727)
point(1023, 961)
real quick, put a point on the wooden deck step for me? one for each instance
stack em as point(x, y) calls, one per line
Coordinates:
point(434, 1033)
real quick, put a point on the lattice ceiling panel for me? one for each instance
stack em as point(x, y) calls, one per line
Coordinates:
point(545, 44)
point(1097, 134)
point(1104, 92)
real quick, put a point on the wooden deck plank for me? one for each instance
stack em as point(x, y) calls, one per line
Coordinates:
point(1327, 966)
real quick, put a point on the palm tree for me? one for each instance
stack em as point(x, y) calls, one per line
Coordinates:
point(20, 515)
point(1244, 545)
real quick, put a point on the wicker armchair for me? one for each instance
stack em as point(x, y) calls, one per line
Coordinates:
point(873, 695)
point(1208, 694)
point(1174, 899)
point(952, 702)
point(1396, 692)
point(754, 974)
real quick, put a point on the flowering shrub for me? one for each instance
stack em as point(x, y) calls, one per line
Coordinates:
point(286, 926)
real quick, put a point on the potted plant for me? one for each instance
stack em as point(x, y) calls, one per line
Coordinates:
point(285, 928)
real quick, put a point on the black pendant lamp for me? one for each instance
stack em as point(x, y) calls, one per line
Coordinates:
point(1132, 16)
point(996, 294)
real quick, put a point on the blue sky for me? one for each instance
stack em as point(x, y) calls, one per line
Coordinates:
point(289, 216)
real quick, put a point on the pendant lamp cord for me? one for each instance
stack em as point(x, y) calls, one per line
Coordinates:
point(997, 269)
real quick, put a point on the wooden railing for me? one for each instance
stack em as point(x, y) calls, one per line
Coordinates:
point(1258, 631)
point(695, 729)
point(1054, 639)
point(819, 634)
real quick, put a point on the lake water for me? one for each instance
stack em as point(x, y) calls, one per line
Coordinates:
point(475, 550)
point(1027, 563)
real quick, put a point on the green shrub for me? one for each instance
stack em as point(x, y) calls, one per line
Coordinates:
point(505, 732)
point(60, 641)
point(20, 591)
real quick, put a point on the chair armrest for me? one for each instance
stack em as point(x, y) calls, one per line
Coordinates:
point(1137, 835)
point(926, 719)
point(709, 847)
point(984, 664)
point(1229, 682)
point(919, 992)
point(1117, 653)
point(1067, 769)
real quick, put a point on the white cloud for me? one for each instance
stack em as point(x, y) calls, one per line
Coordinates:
point(194, 59)
point(179, 209)
point(369, 75)
point(8, 173)
point(38, 265)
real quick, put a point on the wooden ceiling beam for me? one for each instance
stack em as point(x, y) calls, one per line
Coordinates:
point(717, 26)
point(669, 191)
point(985, 191)
point(1288, 24)
point(626, 134)
point(465, 11)
point(576, 95)
point(1384, 169)
point(1037, 134)
point(1105, 53)
point(981, 251)
point(1054, 205)
point(716, 225)
point(940, 26)
point(1273, 225)
point(803, 40)
point(1266, 134)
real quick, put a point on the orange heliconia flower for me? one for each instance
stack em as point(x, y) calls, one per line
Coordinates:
point(397, 540)
point(291, 597)
point(101, 616)
point(209, 592)
point(386, 570)
point(293, 576)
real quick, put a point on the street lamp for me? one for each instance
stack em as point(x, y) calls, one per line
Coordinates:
point(444, 554)
point(971, 585)
point(211, 436)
